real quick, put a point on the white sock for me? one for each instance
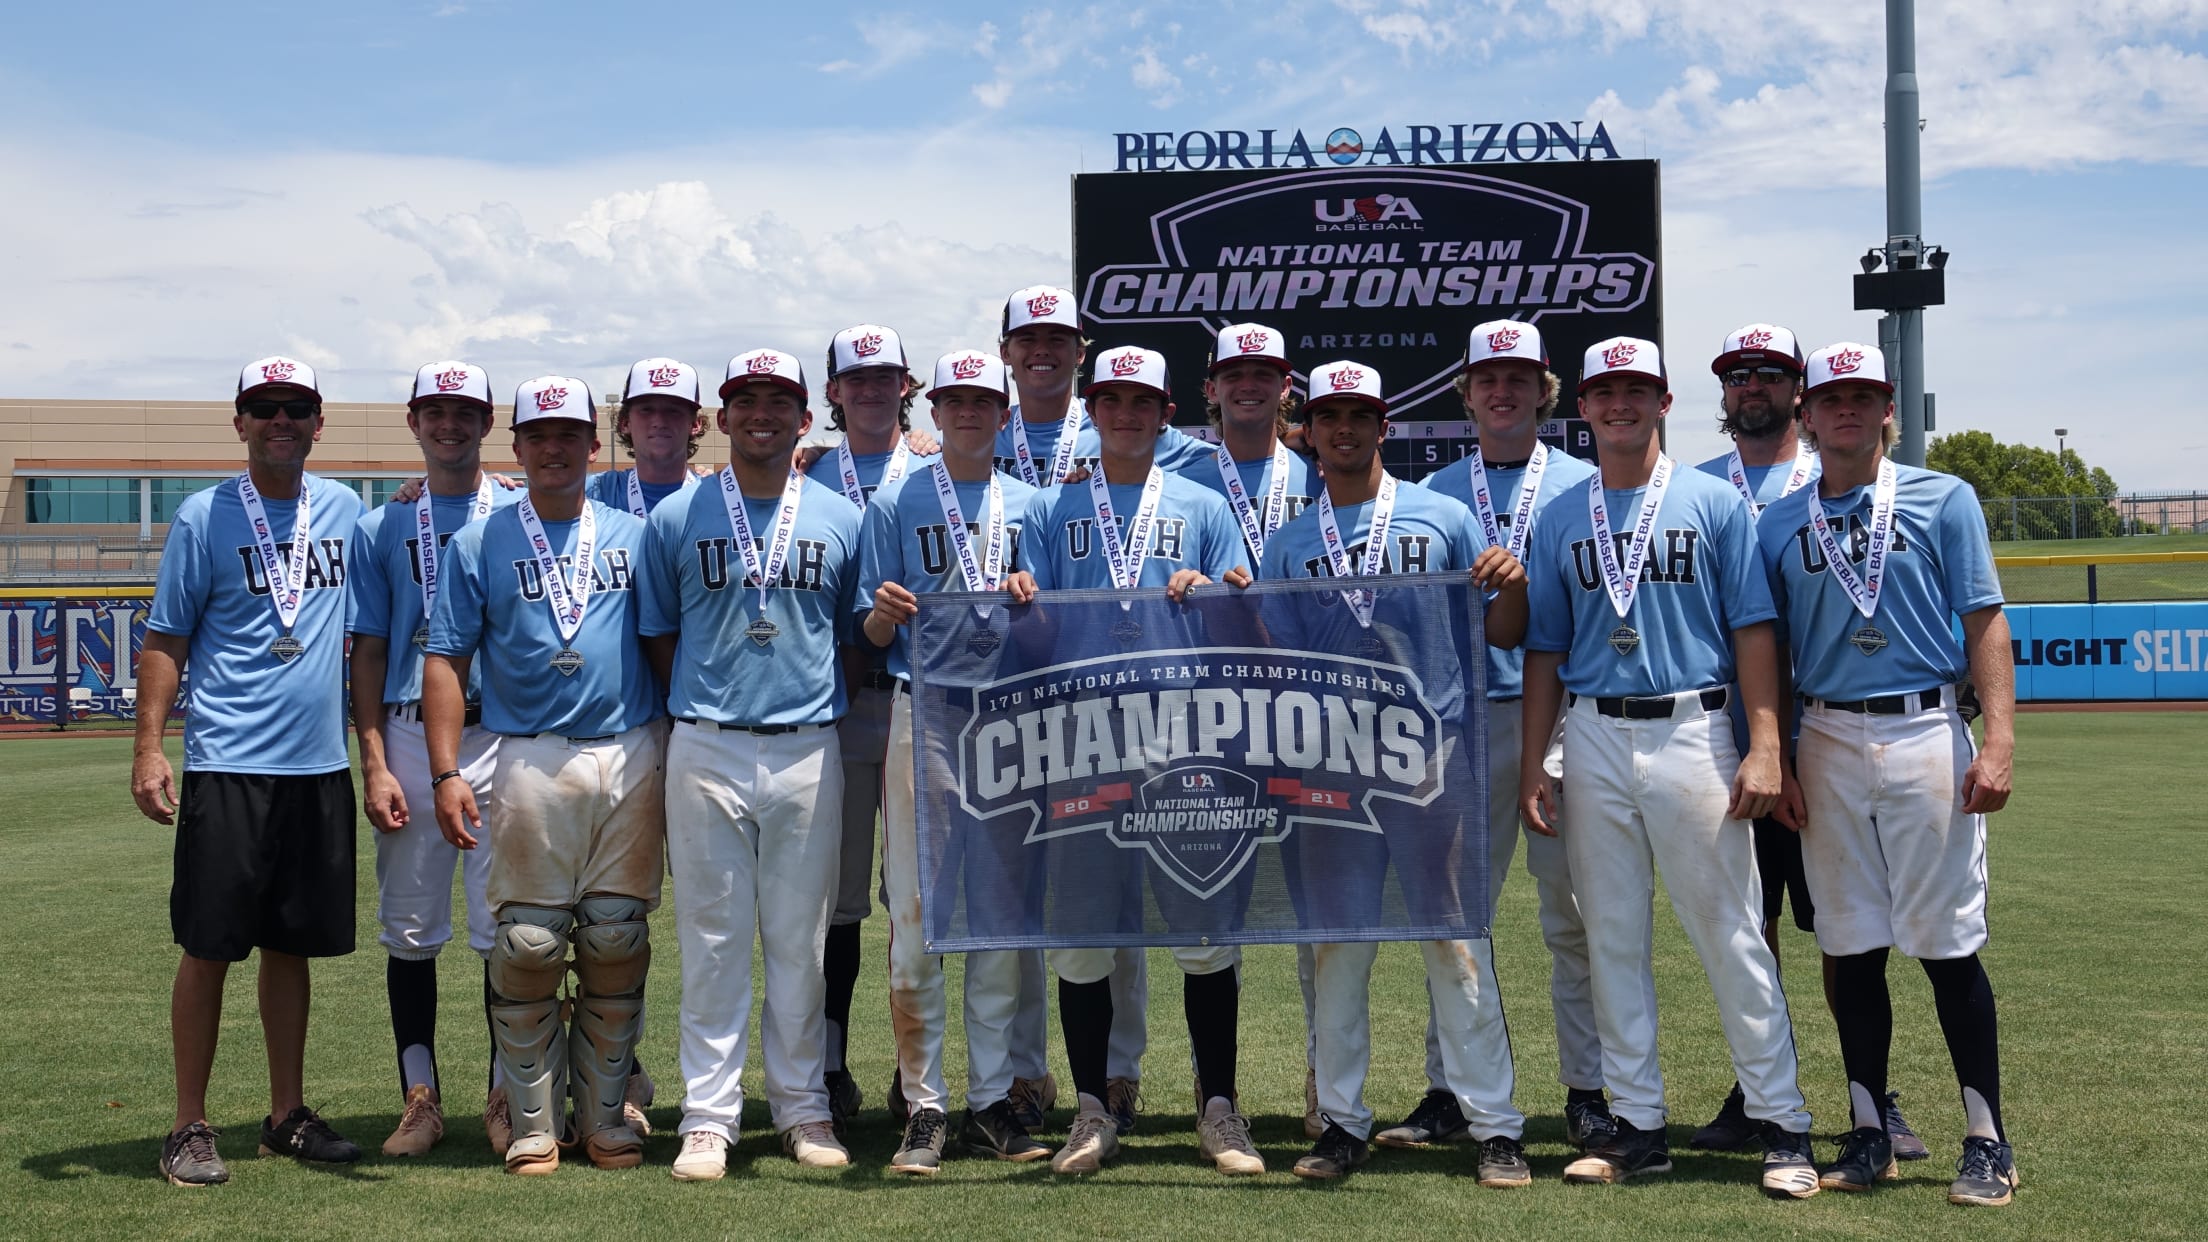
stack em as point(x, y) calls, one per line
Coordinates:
point(1089, 1103)
point(1216, 1107)
point(834, 1049)
point(419, 1066)
point(1868, 1111)
point(1977, 1118)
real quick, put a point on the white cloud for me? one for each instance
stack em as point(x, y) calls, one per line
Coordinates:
point(1151, 77)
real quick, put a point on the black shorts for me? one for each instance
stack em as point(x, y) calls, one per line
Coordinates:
point(264, 862)
point(1779, 862)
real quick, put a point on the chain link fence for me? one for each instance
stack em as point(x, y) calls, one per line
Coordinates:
point(34, 559)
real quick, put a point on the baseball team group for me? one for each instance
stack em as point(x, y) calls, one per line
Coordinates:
point(1754, 679)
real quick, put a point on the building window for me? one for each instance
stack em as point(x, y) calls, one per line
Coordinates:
point(83, 501)
point(170, 494)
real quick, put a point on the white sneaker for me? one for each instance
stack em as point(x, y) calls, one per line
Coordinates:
point(813, 1145)
point(704, 1157)
point(1093, 1140)
point(1223, 1137)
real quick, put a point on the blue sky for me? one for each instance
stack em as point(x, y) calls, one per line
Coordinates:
point(541, 187)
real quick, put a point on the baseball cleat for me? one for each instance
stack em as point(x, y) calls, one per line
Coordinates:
point(704, 1157)
point(1223, 1138)
point(615, 1147)
point(1986, 1175)
point(1032, 1099)
point(636, 1097)
point(188, 1157)
point(498, 1122)
point(921, 1152)
point(844, 1099)
point(1730, 1130)
point(1907, 1146)
point(1866, 1158)
point(1503, 1164)
point(1628, 1152)
point(1587, 1120)
point(303, 1135)
point(1120, 1097)
point(1787, 1170)
point(533, 1155)
point(996, 1131)
point(1336, 1153)
point(420, 1126)
point(1437, 1119)
point(813, 1145)
point(1093, 1139)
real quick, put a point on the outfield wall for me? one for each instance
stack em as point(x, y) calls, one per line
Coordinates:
point(70, 654)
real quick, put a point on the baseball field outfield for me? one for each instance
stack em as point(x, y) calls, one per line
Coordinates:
point(2096, 957)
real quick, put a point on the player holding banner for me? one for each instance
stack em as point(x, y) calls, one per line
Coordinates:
point(398, 554)
point(1872, 567)
point(544, 591)
point(1643, 629)
point(1366, 522)
point(955, 525)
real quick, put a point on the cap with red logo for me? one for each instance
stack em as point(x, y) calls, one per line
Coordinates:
point(1500, 340)
point(554, 396)
point(662, 377)
point(1130, 364)
point(765, 366)
point(1353, 380)
point(276, 370)
point(1759, 345)
point(1623, 355)
point(970, 368)
point(451, 379)
point(1849, 363)
point(1239, 342)
point(1040, 304)
point(867, 345)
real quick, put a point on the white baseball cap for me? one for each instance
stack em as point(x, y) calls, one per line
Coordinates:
point(1759, 345)
point(662, 377)
point(1040, 304)
point(1849, 363)
point(769, 366)
point(866, 345)
point(452, 379)
point(1239, 342)
point(1130, 364)
point(276, 369)
point(970, 368)
point(1500, 339)
point(554, 396)
point(1623, 355)
point(1354, 380)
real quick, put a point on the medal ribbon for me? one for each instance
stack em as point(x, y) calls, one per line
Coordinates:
point(985, 575)
point(847, 468)
point(1623, 582)
point(1376, 542)
point(1521, 515)
point(778, 543)
point(1735, 470)
point(287, 582)
point(426, 554)
point(1256, 529)
point(568, 599)
point(1126, 559)
point(1862, 588)
point(1061, 457)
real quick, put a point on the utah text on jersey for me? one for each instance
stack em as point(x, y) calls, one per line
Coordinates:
point(325, 564)
point(807, 560)
point(936, 557)
point(611, 573)
point(1670, 559)
point(1412, 554)
point(1859, 544)
point(1165, 542)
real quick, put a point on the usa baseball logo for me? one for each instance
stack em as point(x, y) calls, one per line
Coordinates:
point(1619, 354)
point(762, 364)
point(277, 372)
point(1347, 378)
point(1847, 362)
point(551, 399)
point(1755, 340)
point(867, 346)
point(1252, 342)
point(1502, 340)
point(1127, 364)
point(663, 377)
point(451, 381)
point(968, 367)
point(1042, 304)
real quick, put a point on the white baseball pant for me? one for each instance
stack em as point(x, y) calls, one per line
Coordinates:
point(1030, 1035)
point(916, 990)
point(1890, 857)
point(414, 865)
point(575, 818)
point(1649, 795)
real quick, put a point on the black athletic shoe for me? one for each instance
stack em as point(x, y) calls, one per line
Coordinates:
point(1336, 1153)
point(1986, 1175)
point(1587, 1122)
point(1907, 1146)
point(1730, 1130)
point(1866, 1158)
point(1503, 1164)
point(1628, 1152)
point(1787, 1170)
point(996, 1131)
point(188, 1157)
point(921, 1151)
point(303, 1135)
point(1437, 1119)
point(844, 1100)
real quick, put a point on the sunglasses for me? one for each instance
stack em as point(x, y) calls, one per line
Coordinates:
point(298, 410)
point(1769, 375)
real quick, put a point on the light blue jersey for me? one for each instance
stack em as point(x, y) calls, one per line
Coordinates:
point(1257, 482)
point(1194, 530)
point(247, 710)
point(387, 584)
point(1938, 566)
point(1176, 449)
point(907, 541)
point(1702, 580)
point(493, 607)
point(611, 488)
point(1767, 482)
point(695, 585)
point(828, 471)
point(1564, 474)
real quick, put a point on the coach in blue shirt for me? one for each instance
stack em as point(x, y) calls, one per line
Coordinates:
point(252, 597)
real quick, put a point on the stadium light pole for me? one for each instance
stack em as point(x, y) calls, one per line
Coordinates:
point(1915, 275)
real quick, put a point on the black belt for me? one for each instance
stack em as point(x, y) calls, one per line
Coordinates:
point(877, 679)
point(1885, 704)
point(572, 741)
point(413, 712)
point(760, 730)
point(1660, 707)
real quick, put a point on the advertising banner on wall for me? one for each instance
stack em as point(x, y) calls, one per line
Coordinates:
point(70, 655)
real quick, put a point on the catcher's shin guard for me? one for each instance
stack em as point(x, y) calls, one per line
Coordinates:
point(612, 952)
point(528, 961)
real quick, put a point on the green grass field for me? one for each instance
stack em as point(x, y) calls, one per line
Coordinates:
point(2096, 959)
point(2065, 584)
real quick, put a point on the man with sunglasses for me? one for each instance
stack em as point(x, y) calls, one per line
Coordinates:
point(252, 598)
point(1760, 366)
